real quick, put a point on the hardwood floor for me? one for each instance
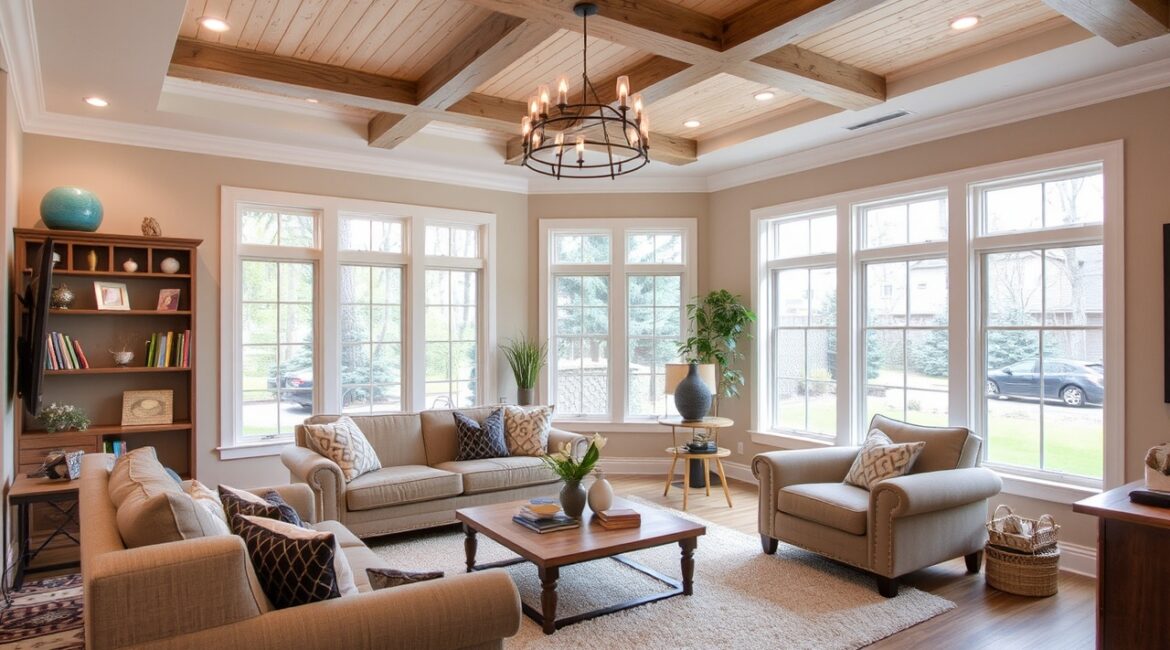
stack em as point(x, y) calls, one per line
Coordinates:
point(983, 618)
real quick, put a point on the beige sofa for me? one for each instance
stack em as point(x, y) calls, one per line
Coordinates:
point(199, 593)
point(420, 484)
point(935, 513)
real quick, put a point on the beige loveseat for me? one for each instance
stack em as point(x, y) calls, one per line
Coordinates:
point(420, 484)
point(200, 593)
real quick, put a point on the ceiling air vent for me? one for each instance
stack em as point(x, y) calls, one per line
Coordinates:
point(878, 120)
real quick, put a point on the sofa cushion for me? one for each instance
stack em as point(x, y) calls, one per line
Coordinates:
point(151, 507)
point(946, 447)
point(438, 431)
point(835, 505)
point(526, 430)
point(344, 443)
point(295, 566)
point(391, 486)
point(493, 474)
point(345, 538)
point(880, 459)
point(361, 558)
point(271, 506)
point(206, 498)
point(480, 439)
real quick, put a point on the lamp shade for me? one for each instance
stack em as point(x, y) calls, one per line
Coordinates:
point(676, 372)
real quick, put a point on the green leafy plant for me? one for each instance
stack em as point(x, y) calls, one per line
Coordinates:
point(718, 321)
point(573, 470)
point(527, 358)
point(63, 417)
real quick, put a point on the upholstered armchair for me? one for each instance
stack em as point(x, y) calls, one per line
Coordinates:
point(934, 513)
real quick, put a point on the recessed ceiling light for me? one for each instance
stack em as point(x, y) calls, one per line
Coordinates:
point(690, 124)
point(311, 100)
point(214, 24)
point(964, 22)
point(765, 95)
point(96, 101)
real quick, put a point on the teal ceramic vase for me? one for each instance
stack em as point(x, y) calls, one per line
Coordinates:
point(71, 208)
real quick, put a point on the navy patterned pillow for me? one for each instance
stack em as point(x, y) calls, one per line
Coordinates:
point(270, 506)
point(481, 440)
point(293, 565)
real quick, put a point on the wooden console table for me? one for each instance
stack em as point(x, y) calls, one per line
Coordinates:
point(1133, 569)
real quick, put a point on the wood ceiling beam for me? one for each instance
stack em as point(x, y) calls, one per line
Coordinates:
point(771, 24)
point(817, 77)
point(497, 43)
point(1120, 22)
point(388, 130)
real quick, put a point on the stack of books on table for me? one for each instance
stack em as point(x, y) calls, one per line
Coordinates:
point(544, 517)
point(619, 518)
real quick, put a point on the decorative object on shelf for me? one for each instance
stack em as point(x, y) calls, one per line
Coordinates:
point(61, 297)
point(63, 417)
point(168, 299)
point(527, 359)
point(624, 142)
point(56, 259)
point(59, 464)
point(130, 265)
point(169, 265)
point(692, 385)
point(150, 227)
point(122, 358)
point(91, 260)
point(111, 296)
point(1158, 468)
point(141, 407)
point(71, 208)
point(600, 493)
point(718, 322)
point(571, 470)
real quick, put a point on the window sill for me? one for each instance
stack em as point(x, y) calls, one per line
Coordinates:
point(1045, 490)
point(252, 450)
point(788, 440)
point(592, 426)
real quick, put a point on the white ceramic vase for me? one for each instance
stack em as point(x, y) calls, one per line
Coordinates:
point(169, 265)
point(600, 493)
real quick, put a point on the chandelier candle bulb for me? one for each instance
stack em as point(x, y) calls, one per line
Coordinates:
point(542, 94)
point(637, 106)
point(560, 144)
point(580, 149)
point(644, 126)
point(623, 91)
point(526, 125)
point(534, 108)
point(562, 92)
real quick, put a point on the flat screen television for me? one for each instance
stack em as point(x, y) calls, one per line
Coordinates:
point(30, 367)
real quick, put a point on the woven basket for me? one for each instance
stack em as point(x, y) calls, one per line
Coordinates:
point(1000, 533)
point(1024, 574)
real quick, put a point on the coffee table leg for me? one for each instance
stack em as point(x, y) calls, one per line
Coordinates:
point(469, 546)
point(688, 563)
point(548, 597)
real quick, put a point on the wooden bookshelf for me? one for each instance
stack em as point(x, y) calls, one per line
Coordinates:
point(98, 389)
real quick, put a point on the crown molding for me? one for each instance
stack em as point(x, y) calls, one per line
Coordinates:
point(1114, 85)
point(622, 185)
point(18, 38)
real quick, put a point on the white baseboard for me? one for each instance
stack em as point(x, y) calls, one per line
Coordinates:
point(1078, 559)
point(659, 466)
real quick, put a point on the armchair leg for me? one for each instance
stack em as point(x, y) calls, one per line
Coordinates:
point(887, 587)
point(974, 561)
point(769, 544)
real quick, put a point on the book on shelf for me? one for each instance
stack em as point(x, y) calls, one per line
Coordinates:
point(80, 354)
point(532, 515)
point(115, 447)
point(169, 349)
point(619, 518)
point(64, 353)
point(553, 524)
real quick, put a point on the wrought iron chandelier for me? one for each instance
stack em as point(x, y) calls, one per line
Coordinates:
point(592, 125)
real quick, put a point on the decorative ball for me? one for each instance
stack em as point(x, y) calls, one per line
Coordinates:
point(61, 297)
point(71, 208)
point(130, 265)
point(169, 265)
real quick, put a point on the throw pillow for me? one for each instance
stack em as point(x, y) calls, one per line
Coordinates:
point(526, 431)
point(151, 508)
point(294, 565)
point(208, 500)
point(342, 442)
point(880, 459)
point(387, 578)
point(477, 440)
point(270, 506)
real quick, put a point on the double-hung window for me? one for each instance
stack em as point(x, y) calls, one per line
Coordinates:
point(336, 305)
point(613, 294)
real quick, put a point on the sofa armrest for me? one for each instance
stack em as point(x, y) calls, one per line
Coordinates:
point(465, 610)
point(323, 477)
point(916, 494)
point(298, 495)
point(778, 469)
point(156, 592)
point(558, 437)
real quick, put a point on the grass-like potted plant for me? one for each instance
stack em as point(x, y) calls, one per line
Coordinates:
point(527, 359)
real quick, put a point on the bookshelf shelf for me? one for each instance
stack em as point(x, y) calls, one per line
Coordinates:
point(114, 371)
point(112, 312)
point(115, 274)
point(117, 429)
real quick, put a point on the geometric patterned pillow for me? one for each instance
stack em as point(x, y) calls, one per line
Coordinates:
point(293, 565)
point(880, 459)
point(387, 578)
point(481, 440)
point(345, 444)
point(271, 506)
point(526, 431)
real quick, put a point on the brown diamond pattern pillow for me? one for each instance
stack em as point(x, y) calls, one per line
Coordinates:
point(880, 459)
point(295, 566)
point(344, 443)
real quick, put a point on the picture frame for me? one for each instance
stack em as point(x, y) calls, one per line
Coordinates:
point(168, 299)
point(111, 296)
point(144, 407)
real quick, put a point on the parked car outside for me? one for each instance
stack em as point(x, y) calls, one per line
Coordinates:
point(1072, 382)
point(295, 386)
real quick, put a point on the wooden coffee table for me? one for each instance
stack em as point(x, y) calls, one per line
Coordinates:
point(551, 551)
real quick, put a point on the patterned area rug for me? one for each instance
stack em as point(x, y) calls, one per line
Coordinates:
point(45, 614)
point(743, 598)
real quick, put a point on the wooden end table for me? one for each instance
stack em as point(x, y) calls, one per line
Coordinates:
point(697, 474)
point(26, 491)
point(551, 551)
point(704, 458)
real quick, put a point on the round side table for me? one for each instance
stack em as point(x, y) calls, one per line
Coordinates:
point(697, 474)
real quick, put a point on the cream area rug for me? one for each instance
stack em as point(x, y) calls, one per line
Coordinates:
point(743, 598)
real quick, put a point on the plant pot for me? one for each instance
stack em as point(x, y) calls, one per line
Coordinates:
point(692, 397)
point(525, 396)
point(573, 499)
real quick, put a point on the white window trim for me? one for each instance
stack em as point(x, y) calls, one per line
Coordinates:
point(962, 257)
point(617, 269)
point(327, 339)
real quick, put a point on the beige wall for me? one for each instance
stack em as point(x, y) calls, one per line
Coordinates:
point(181, 190)
point(1141, 121)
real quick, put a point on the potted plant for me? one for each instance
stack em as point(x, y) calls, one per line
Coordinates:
point(527, 358)
point(718, 322)
point(63, 417)
point(572, 471)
